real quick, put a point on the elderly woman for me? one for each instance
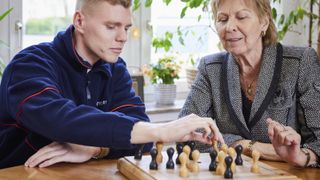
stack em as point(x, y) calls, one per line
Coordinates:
point(263, 95)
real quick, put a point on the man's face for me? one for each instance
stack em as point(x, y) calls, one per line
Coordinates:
point(105, 30)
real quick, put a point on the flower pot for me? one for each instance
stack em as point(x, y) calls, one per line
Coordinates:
point(165, 94)
point(191, 73)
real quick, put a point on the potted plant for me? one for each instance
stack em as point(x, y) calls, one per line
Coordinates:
point(162, 75)
point(191, 70)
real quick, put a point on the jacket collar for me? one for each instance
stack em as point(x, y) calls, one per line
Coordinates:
point(74, 58)
point(267, 80)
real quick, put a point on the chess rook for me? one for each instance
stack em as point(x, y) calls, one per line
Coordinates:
point(179, 148)
point(213, 164)
point(239, 160)
point(138, 153)
point(170, 163)
point(153, 164)
point(228, 173)
point(192, 145)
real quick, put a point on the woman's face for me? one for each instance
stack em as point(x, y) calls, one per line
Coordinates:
point(239, 27)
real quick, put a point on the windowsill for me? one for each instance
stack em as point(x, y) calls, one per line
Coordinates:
point(153, 108)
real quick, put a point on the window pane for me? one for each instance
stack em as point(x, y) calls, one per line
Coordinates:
point(42, 19)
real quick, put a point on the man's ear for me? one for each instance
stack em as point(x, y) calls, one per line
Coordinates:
point(78, 21)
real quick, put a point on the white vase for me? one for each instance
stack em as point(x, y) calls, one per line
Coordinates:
point(165, 94)
point(191, 73)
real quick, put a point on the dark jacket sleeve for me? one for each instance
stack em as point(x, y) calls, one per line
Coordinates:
point(125, 102)
point(34, 99)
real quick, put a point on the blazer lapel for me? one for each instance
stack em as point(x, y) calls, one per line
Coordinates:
point(265, 78)
point(233, 79)
point(268, 79)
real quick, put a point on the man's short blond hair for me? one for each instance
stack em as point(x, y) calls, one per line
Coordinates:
point(86, 4)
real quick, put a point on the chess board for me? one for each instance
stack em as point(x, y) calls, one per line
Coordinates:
point(139, 169)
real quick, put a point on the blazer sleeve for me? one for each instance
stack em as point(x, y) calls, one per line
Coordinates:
point(200, 102)
point(309, 100)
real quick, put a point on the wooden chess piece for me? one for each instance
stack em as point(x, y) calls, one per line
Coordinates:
point(170, 163)
point(159, 146)
point(233, 154)
point(186, 149)
point(195, 157)
point(153, 164)
point(179, 148)
point(224, 148)
point(239, 160)
point(215, 145)
point(183, 158)
point(228, 172)
point(255, 157)
point(221, 167)
point(192, 145)
point(213, 164)
point(138, 153)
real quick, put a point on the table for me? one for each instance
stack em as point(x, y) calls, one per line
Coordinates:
point(107, 169)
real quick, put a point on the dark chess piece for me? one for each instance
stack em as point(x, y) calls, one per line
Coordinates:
point(213, 163)
point(239, 160)
point(138, 153)
point(153, 164)
point(179, 148)
point(170, 163)
point(191, 144)
point(228, 173)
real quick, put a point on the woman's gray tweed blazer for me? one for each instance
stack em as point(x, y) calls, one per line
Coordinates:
point(294, 99)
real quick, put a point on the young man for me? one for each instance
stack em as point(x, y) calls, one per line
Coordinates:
point(77, 90)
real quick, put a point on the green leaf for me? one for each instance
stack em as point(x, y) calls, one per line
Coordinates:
point(5, 13)
point(199, 17)
point(136, 5)
point(183, 12)
point(274, 13)
point(166, 1)
point(181, 40)
point(148, 3)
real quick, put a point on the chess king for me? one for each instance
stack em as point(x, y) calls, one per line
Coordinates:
point(71, 99)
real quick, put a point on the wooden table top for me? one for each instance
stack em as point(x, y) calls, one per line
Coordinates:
point(107, 169)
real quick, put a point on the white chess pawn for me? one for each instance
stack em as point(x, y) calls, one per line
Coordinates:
point(233, 154)
point(195, 165)
point(221, 168)
point(159, 146)
point(183, 172)
point(255, 157)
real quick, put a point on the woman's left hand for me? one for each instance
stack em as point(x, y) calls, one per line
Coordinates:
point(286, 142)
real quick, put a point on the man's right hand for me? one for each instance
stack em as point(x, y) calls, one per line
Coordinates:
point(61, 152)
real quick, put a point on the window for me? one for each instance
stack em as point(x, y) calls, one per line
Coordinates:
point(199, 36)
point(42, 19)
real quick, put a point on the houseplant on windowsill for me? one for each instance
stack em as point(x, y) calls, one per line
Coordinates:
point(162, 75)
point(191, 70)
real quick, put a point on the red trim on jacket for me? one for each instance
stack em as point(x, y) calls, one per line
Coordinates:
point(125, 105)
point(28, 98)
point(15, 125)
point(75, 53)
point(30, 145)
